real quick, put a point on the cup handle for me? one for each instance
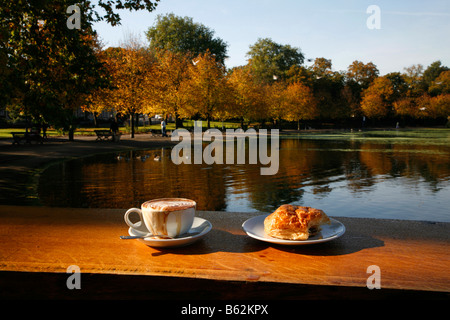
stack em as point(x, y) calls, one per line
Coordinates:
point(140, 225)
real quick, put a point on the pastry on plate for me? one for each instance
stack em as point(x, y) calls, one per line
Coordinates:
point(291, 222)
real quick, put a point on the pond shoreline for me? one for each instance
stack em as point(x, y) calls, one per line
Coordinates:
point(20, 165)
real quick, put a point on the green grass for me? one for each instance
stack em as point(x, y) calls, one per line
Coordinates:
point(420, 135)
point(434, 136)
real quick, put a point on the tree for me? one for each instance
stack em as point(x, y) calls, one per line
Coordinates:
point(300, 74)
point(439, 106)
point(441, 85)
point(183, 35)
point(434, 107)
point(111, 16)
point(362, 74)
point(170, 73)
point(49, 67)
point(321, 67)
point(407, 107)
point(377, 98)
point(328, 89)
point(207, 88)
point(399, 85)
point(300, 103)
point(133, 80)
point(432, 72)
point(413, 77)
point(276, 101)
point(131, 70)
point(248, 95)
point(102, 98)
point(270, 59)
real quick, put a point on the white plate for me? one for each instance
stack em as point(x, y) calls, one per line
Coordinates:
point(199, 225)
point(254, 227)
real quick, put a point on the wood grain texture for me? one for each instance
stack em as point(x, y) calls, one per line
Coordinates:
point(412, 255)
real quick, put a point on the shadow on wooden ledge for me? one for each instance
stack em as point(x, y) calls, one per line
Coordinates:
point(52, 286)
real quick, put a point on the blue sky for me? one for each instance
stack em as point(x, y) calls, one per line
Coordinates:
point(412, 32)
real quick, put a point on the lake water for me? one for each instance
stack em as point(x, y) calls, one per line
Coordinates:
point(391, 175)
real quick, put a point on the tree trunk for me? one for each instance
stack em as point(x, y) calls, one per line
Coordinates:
point(178, 121)
point(95, 119)
point(132, 124)
point(71, 131)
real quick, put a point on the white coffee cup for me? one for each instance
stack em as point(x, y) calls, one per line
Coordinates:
point(164, 217)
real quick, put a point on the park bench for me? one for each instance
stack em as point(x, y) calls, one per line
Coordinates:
point(107, 135)
point(27, 137)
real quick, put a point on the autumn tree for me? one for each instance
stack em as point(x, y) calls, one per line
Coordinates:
point(49, 67)
point(170, 72)
point(276, 101)
point(300, 103)
point(102, 99)
point(300, 74)
point(321, 67)
point(420, 104)
point(431, 73)
point(248, 95)
point(377, 98)
point(413, 76)
point(441, 85)
point(362, 74)
point(408, 107)
point(131, 69)
point(133, 82)
point(206, 88)
point(439, 107)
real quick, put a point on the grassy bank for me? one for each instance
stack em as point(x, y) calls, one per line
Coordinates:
point(84, 131)
point(439, 136)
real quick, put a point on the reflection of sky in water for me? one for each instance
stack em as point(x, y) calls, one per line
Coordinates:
point(402, 198)
point(398, 199)
point(344, 178)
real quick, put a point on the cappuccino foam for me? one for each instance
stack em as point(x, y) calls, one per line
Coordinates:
point(169, 204)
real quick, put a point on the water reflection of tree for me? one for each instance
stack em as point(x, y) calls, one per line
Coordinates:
point(148, 179)
point(321, 164)
point(318, 165)
point(430, 162)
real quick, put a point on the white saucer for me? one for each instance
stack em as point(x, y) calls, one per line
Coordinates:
point(254, 227)
point(200, 225)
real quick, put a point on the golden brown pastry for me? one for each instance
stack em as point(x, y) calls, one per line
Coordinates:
point(294, 222)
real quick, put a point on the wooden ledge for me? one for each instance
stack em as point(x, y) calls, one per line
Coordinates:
point(38, 244)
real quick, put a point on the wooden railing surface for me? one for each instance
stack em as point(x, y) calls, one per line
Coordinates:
point(39, 244)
